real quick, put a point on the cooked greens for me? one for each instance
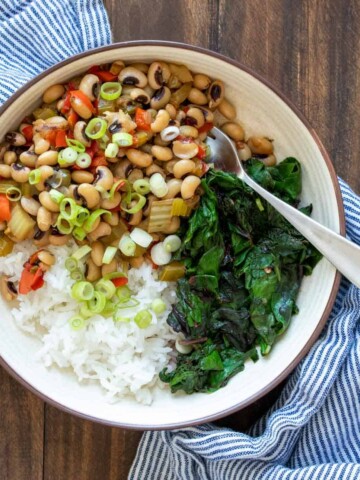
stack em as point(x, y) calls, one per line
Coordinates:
point(244, 264)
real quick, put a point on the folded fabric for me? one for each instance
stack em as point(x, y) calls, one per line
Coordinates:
point(36, 34)
point(313, 430)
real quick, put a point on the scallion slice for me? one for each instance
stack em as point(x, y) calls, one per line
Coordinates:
point(111, 150)
point(141, 186)
point(71, 264)
point(141, 237)
point(82, 291)
point(75, 145)
point(123, 294)
point(97, 302)
point(83, 160)
point(13, 194)
point(90, 222)
point(77, 275)
point(110, 90)
point(96, 128)
point(77, 322)
point(109, 255)
point(56, 196)
point(158, 306)
point(127, 246)
point(81, 252)
point(143, 318)
point(140, 199)
point(172, 243)
point(123, 139)
point(119, 318)
point(64, 225)
point(106, 287)
point(35, 176)
point(67, 157)
point(79, 233)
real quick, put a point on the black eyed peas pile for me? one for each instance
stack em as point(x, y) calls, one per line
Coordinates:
point(113, 159)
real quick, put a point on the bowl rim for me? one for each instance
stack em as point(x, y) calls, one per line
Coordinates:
point(239, 406)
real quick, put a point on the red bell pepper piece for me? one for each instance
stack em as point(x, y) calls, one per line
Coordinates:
point(5, 212)
point(120, 281)
point(206, 127)
point(201, 153)
point(106, 76)
point(60, 139)
point(67, 104)
point(28, 133)
point(31, 280)
point(72, 118)
point(142, 119)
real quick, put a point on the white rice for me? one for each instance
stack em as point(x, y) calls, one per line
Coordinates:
point(121, 357)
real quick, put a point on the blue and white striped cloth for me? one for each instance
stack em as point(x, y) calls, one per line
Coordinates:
point(313, 430)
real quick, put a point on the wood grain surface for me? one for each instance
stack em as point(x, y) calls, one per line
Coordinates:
point(310, 49)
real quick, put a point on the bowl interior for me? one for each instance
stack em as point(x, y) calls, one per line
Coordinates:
point(260, 111)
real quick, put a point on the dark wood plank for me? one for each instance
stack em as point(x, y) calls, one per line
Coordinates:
point(21, 431)
point(83, 450)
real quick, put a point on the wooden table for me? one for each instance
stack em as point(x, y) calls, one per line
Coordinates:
point(310, 49)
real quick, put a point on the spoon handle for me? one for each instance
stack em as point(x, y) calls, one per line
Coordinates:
point(342, 253)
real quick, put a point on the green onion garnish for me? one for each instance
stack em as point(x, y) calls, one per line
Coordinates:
point(35, 176)
point(158, 306)
point(77, 322)
point(127, 246)
point(110, 90)
point(81, 252)
point(82, 291)
point(90, 222)
point(75, 145)
point(106, 287)
point(83, 160)
point(67, 157)
point(141, 200)
point(96, 128)
point(77, 275)
point(85, 312)
point(119, 318)
point(81, 214)
point(71, 264)
point(259, 204)
point(111, 150)
point(123, 139)
point(172, 243)
point(64, 225)
point(141, 186)
point(13, 194)
point(143, 318)
point(56, 196)
point(109, 255)
point(123, 294)
point(97, 302)
point(79, 233)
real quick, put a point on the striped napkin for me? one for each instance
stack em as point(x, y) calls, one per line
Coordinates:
point(313, 431)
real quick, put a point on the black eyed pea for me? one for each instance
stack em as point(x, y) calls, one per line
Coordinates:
point(123, 168)
point(139, 158)
point(202, 136)
point(92, 271)
point(180, 116)
point(30, 205)
point(197, 96)
point(215, 94)
point(195, 117)
point(10, 157)
point(3, 226)
point(143, 67)
point(20, 173)
point(133, 76)
point(59, 240)
point(173, 227)
point(90, 85)
point(60, 104)
point(48, 203)
point(116, 67)
point(164, 154)
point(189, 185)
point(40, 144)
point(160, 98)
point(110, 268)
point(158, 74)
point(81, 107)
point(234, 131)
point(110, 203)
point(44, 219)
point(174, 188)
point(208, 114)
point(183, 167)
point(159, 141)
point(102, 230)
point(140, 95)
point(154, 169)
point(135, 218)
point(181, 72)
point(146, 148)
point(45, 173)
point(97, 253)
point(5, 171)
point(82, 176)
point(28, 158)
point(3, 150)
point(171, 111)
point(135, 174)
point(79, 133)
point(202, 82)
point(112, 219)
point(41, 239)
point(185, 150)
point(269, 161)
point(53, 93)
point(15, 138)
point(161, 121)
point(47, 158)
point(88, 195)
point(46, 257)
point(136, 262)
point(260, 145)
point(169, 166)
point(104, 178)
point(243, 150)
point(227, 109)
point(189, 131)
point(149, 201)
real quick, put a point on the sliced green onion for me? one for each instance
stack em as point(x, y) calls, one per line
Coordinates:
point(82, 214)
point(117, 185)
point(96, 128)
point(85, 312)
point(141, 186)
point(141, 237)
point(77, 275)
point(123, 294)
point(13, 194)
point(83, 160)
point(110, 90)
point(143, 318)
point(123, 139)
point(104, 142)
point(259, 204)
point(89, 223)
point(67, 157)
point(119, 318)
point(35, 176)
point(158, 306)
point(97, 303)
point(109, 255)
point(77, 322)
point(131, 303)
point(141, 200)
point(71, 264)
point(79, 233)
point(82, 291)
point(75, 145)
point(106, 287)
point(127, 246)
point(81, 252)
point(56, 196)
point(67, 207)
point(111, 150)
point(63, 225)
point(158, 186)
point(172, 243)
point(109, 309)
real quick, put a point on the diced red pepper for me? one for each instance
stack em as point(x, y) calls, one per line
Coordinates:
point(142, 119)
point(5, 211)
point(67, 104)
point(98, 161)
point(94, 69)
point(201, 153)
point(183, 139)
point(72, 118)
point(28, 133)
point(31, 280)
point(106, 76)
point(93, 149)
point(206, 127)
point(80, 95)
point(120, 281)
point(60, 139)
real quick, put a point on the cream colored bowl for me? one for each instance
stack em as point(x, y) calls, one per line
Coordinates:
point(263, 111)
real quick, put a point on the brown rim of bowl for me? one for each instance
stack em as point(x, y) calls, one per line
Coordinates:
point(319, 327)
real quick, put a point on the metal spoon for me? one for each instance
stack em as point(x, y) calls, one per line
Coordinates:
point(342, 253)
